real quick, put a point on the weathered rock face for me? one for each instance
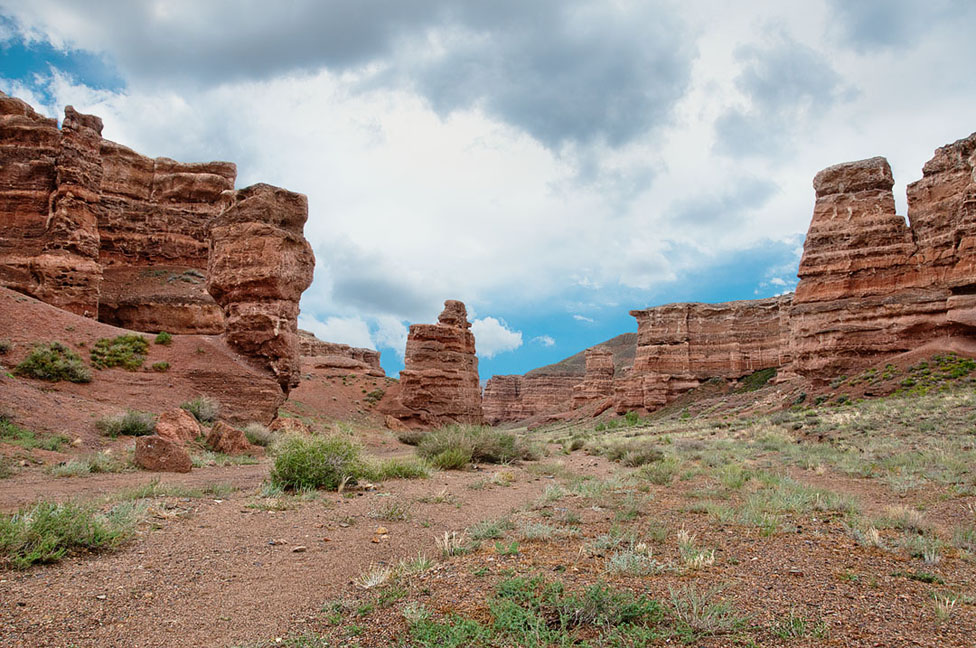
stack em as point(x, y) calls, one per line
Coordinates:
point(515, 398)
point(681, 345)
point(870, 285)
point(230, 440)
point(439, 382)
point(259, 266)
point(598, 381)
point(341, 358)
point(178, 425)
point(549, 389)
point(96, 229)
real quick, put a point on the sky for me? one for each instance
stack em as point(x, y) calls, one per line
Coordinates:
point(552, 163)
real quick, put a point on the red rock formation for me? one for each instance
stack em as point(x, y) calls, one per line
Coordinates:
point(160, 454)
point(870, 285)
point(598, 381)
point(230, 440)
point(259, 266)
point(341, 358)
point(439, 382)
point(681, 345)
point(549, 389)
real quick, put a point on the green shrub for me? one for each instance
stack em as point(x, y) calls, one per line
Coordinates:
point(305, 462)
point(47, 531)
point(411, 437)
point(13, 434)
point(203, 408)
point(54, 361)
point(132, 423)
point(756, 380)
point(258, 434)
point(452, 459)
point(632, 453)
point(126, 351)
point(447, 446)
point(374, 396)
point(164, 338)
point(160, 366)
point(396, 468)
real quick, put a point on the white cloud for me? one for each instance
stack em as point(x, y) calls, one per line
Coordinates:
point(777, 281)
point(492, 336)
point(391, 333)
point(345, 330)
point(582, 318)
point(544, 340)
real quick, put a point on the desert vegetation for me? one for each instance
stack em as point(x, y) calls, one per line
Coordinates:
point(53, 361)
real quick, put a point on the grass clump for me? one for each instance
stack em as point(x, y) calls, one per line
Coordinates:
point(54, 361)
point(160, 366)
point(455, 446)
point(396, 468)
point(13, 434)
point(5, 346)
point(305, 463)
point(203, 408)
point(132, 423)
point(164, 338)
point(258, 434)
point(46, 532)
point(127, 351)
point(99, 462)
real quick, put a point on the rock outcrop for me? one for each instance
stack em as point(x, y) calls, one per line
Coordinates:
point(549, 389)
point(260, 264)
point(681, 345)
point(439, 383)
point(597, 382)
point(338, 358)
point(96, 229)
point(872, 285)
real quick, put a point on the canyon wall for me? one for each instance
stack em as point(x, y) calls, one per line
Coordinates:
point(872, 285)
point(94, 228)
point(679, 346)
point(597, 382)
point(339, 358)
point(439, 383)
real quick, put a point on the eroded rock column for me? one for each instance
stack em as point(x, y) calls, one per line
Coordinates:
point(260, 263)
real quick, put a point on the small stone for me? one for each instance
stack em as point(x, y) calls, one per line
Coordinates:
point(100, 597)
point(299, 549)
point(381, 531)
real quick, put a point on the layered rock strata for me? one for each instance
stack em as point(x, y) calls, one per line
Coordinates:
point(260, 264)
point(148, 244)
point(681, 345)
point(341, 358)
point(597, 382)
point(516, 398)
point(439, 383)
point(872, 285)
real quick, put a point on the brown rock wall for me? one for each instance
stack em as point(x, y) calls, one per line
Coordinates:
point(342, 357)
point(598, 381)
point(508, 399)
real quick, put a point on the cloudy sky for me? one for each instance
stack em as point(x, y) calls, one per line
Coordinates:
point(552, 163)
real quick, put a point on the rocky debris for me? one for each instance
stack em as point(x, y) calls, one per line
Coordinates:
point(178, 425)
point(340, 357)
point(394, 424)
point(597, 383)
point(259, 266)
point(230, 440)
point(679, 346)
point(160, 454)
point(439, 383)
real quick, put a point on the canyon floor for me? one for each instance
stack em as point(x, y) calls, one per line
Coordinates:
point(848, 522)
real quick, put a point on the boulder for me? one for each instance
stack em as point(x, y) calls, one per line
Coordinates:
point(178, 425)
point(290, 426)
point(230, 440)
point(160, 454)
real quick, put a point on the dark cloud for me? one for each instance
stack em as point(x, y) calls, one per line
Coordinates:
point(882, 24)
point(784, 82)
point(565, 71)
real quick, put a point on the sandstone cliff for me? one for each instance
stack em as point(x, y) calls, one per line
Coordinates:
point(340, 358)
point(147, 244)
point(597, 382)
point(439, 382)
